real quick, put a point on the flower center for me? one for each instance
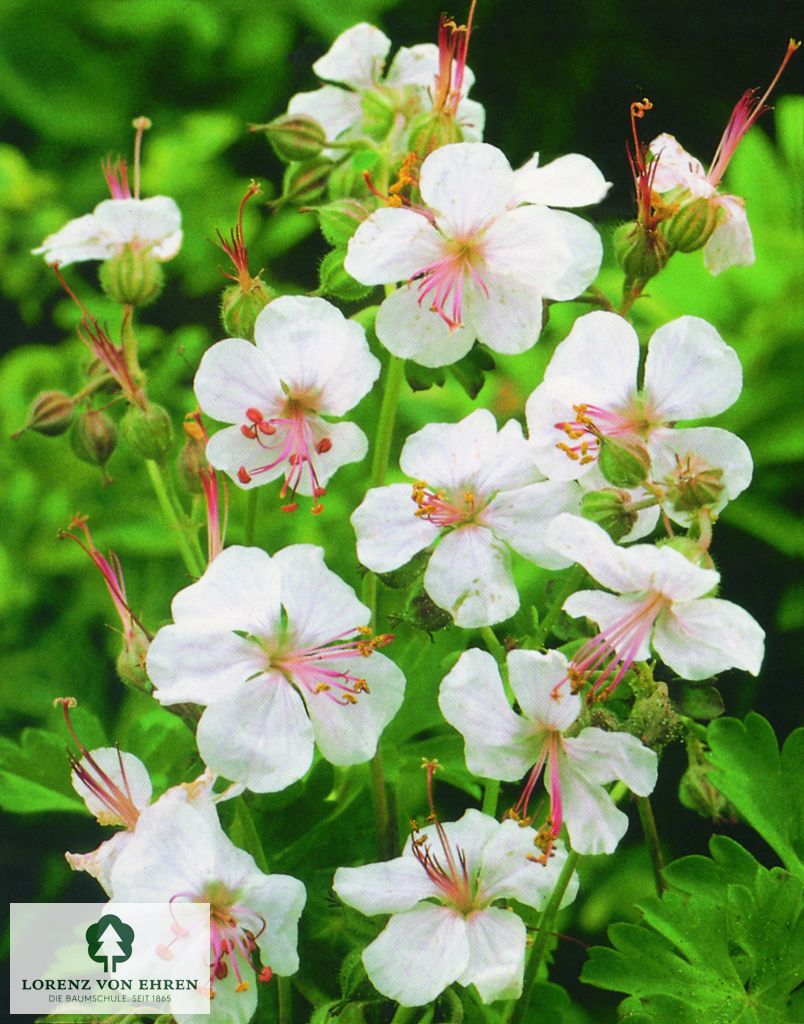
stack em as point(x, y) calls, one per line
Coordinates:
point(547, 834)
point(442, 283)
point(287, 438)
point(313, 668)
point(593, 423)
point(436, 508)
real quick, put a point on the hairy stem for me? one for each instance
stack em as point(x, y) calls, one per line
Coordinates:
point(491, 793)
point(652, 841)
point(156, 474)
point(252, 497)
point(284, 997)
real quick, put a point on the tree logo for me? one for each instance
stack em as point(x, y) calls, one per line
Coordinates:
point(109, 942)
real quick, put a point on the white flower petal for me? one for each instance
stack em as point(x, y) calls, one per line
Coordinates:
point(533, 676)
point(168, 247)
point(507, 873)
point(280, 900)
point(229, 1006)
point(571, 180)
point(333, 108)
point(452, 456)
point(125, 770)
point(570, 250)
point(320, 606)
point(239, 590)
point(392, 245)
point(385, 888)
point(349, 734)
point(418, 954)
point(99, 862)
point(234, 376)
point(414, 65)
point(471, 116)
point(348, 444)
point(550, 404)
point(601, 354)
point(147, 221)
point(414, 331)
point(589, 545)
point(604, 757)
point(690, 371)
point(466, 184)
point(509, 464)
point(83, 238)
point(594, 823)
point(321, 357)
point(472, 700)
point(520, 518)
point(470, 576)
point(497, 941)
point(731, 244)
point(228, 450)
point(700, 638)
point(509, 318)
point(677, 168)
point(389, 533)
point(607, 611)
point(469, 835)
point(356, 57)
point(259, 735)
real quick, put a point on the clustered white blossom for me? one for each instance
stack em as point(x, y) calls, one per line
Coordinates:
point(281, 656)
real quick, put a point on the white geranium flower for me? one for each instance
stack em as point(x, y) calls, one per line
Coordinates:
point(590, 390)
point(309, 361)
point(153, 225)
point(478, 494)
point(659, 602)
point(356, 61)
point(731, 243)
point(501, 744)
point(475, 264)
point(441, 893)
point(278, 650)
point(116, 787)
point(179, 854)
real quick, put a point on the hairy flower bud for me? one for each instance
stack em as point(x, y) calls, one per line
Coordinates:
point(240, 307)
point(293, 136)
point(693, 484)
point(306, 182)
point(432, 130)
point(641, 252)
point(623, 461)
point(93, 437)
point(692, 226)
point(132, 276)
point(379, 108)
point(691, 550)
point(130, 663)
point(340, 219)
point(148, 431)
point(51, 413)
point(609, 509)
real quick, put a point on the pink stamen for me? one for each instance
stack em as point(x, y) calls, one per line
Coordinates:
point(235, 246)
point(452, 875)
point(453, 47)
point(746, 112)
point(436, 508)
point(116, 174)
point(309, 666)
point(590, 426)
point(442, 283)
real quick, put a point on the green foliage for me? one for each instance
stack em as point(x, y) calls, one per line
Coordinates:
point(723, 945)
point(766, 787)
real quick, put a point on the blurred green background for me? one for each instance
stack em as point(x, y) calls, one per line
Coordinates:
point(554, 78)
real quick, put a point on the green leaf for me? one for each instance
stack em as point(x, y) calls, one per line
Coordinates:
point(470, 372)
point(724, 945)
point(767, 789)
point(702, 701)
point(35, 776)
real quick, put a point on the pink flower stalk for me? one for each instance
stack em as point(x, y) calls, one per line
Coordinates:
point(103, 348)
point(746, 112)
point(112, 572)
point(453, 46)
point(117, 804)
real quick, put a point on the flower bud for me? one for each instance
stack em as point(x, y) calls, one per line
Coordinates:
point(691, 550)
point(379, 109)
point(653, 718)
point(148, 431)
point(335, 281)
point(692, 226)
point(696, 792)
point(51, 413)
point(347, 181)
point(240, 307)
point(93, 437)
point(432, 130)
point(132, 276)
point(641, 253)
point(130, 662)
point(306, 182)
point(97, 374)
point(623, 461)
point(293, 136)
point(694, 484)
point(340, 219)
point(609, 509)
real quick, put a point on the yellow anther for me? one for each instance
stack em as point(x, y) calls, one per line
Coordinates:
point(321, 688)
point(241, 986)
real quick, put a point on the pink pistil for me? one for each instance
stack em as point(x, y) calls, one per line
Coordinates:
point(235, 246)
point(295, 444)
point(549, 832)
point(450, 875)
point(453, 47)
point(119, 802)
point(442, 283)
point(310, 666)
point(116, 174)
point(590, 426)
point(613, 651)
point(746, 112)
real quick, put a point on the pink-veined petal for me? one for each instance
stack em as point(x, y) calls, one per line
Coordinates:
point(470, 576)
point(388, 531)
point(533, 677)
point(392, 245)
point(385, 888)
point(701, 638)
point(497, 941)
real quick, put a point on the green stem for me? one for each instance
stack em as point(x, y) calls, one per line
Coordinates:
point(284, 996)
point(157, 476)
point(492, 643)
point(491, 792)
point(571, 584)
point(404, 1014)
point(129, 340)
point(386, 838)
point(534, 962)
point(652, 841)
point(251, 516)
